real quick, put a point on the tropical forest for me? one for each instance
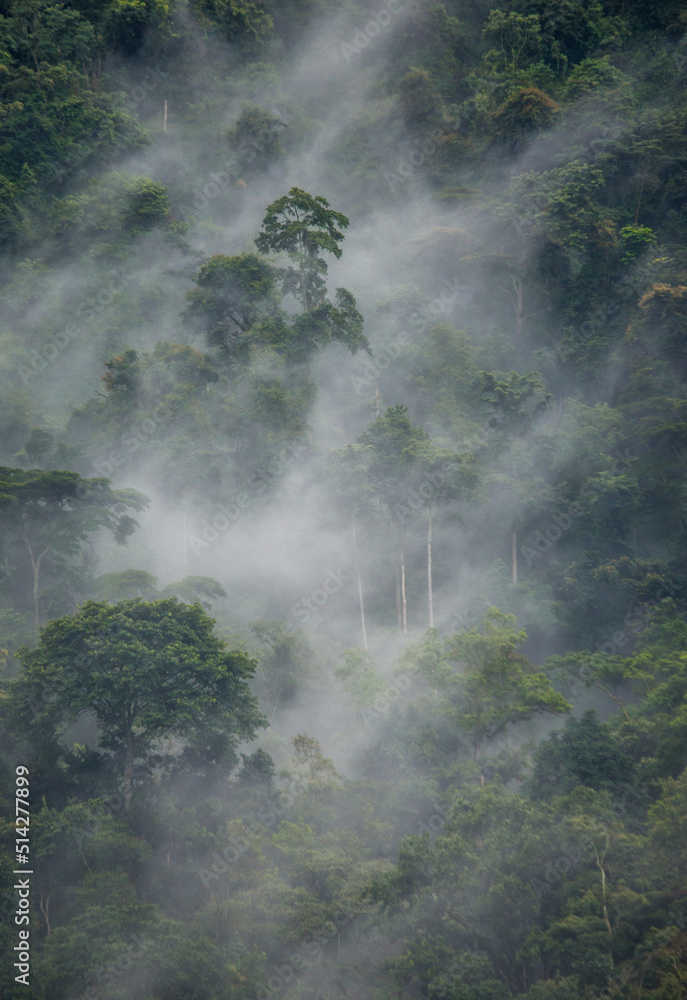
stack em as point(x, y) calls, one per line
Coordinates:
point(343, 499)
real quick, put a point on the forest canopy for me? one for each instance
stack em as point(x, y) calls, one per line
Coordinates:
point(343, 394)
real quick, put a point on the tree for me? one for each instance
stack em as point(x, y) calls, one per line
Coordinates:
point(394, 446)
point(304, 227)
point(126, 23)
point(515, 403)
point(240, 21)
point(524, 113)
point(231, 295)
point(412, 479)
point(132, 583)
point(498, 685)
point(52, 513)
point(42, 32)
point(122, 378)
point(420, 100)
point(255, 137)
point(145, 670)
point(517, 38)
point(352, 496)
point(285, 664)
point(583, 753)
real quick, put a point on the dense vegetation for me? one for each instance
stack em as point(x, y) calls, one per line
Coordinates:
point(343, 357)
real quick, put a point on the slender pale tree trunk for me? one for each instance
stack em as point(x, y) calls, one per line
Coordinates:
point(360, 587)
point(517, 305)
point(36, 567)
point(430, 597)
point(399, 615)
point(404, 606)
point(604, 898)
point(362, 611)
point(514, 554)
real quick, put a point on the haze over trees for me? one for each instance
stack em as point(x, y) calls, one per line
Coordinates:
point(342, 564)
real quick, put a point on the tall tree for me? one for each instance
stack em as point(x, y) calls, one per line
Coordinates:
point(304, 227)
point(52, 513)
point(412, 479)
point(146, 670)
point(497, 685)
point(394, 447)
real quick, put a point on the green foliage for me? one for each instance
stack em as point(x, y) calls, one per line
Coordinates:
point(255, 140)
point(285, 665)
point(526, 366)
point(497, 686)
point(147, 205)
point(51, 514)
point(421, 104)
point(361, 680)
point(232, 295)
point(240, 21)
point(145, 670)
point(582, 753)
point(516, 39)
point(526, 112)
point(303, 227)
point(127, 22)
point(635, 240)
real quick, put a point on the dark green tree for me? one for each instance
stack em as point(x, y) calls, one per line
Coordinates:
point(304, 227)
point(145, 670)
point(50, 514)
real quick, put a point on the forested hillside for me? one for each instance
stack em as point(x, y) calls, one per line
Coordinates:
point(343, 496)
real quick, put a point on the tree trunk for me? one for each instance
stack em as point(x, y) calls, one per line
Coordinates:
point(399, 615)
point(604, 899)
point(360, 587)
point(517, 304)
point(404, 608)
point(514, 555)
point(45, 910)
point(362, 610)
point(430, 597)
point(477, 753)
point(36, 567)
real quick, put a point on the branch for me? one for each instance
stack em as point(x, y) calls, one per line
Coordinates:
point(619, 700)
